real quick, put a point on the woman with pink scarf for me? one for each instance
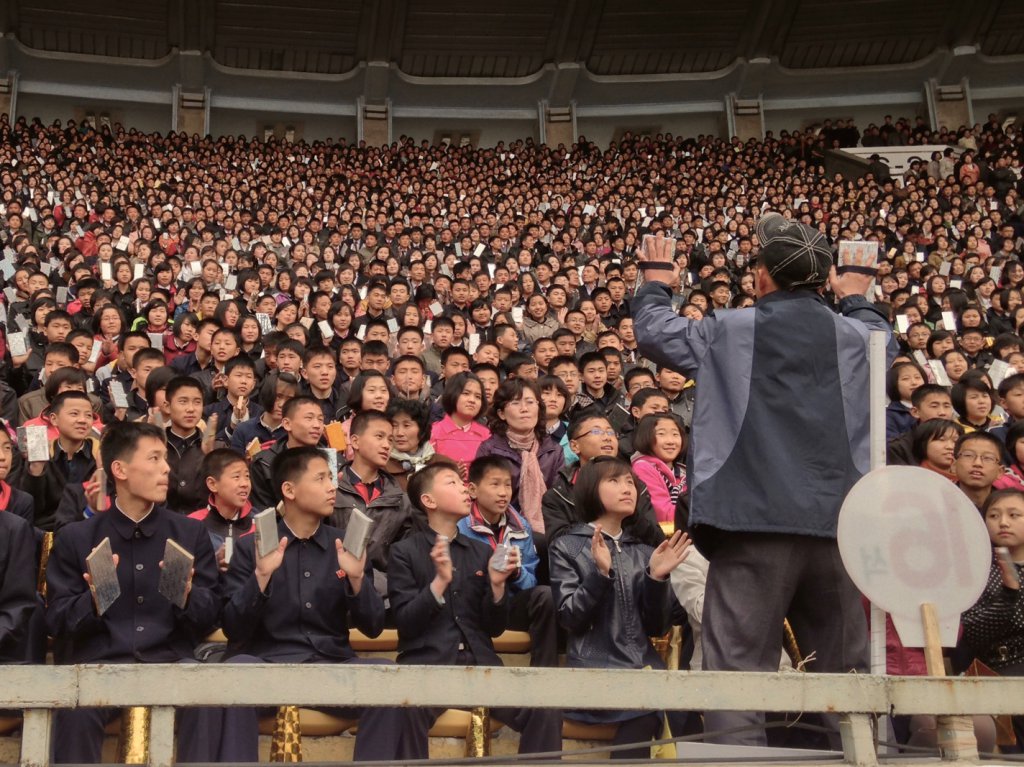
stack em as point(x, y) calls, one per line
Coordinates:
point(519, 434)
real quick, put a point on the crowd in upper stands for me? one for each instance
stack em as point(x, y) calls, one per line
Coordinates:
point(439, 315)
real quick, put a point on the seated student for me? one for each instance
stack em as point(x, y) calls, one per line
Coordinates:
point(12, 500)
point(297, 604)
point(660, 461)
point(1011, 400)
point(235, 408)
point(201, 358)
point(302, 420)
point(120, 369)
point(138, 525)
point(442, 332)
point(601, 596)
point(494, 521)
point(33, 405)
point(143, 363)
point(409, 377)
point(56, 328)
point(288, 360)
point(454, 360)
point(228, 512)
point(410, 449)
point(459, 434)
point(447, 610)
point(320, 374)
point(974, 400)
point(57, 356)
point(519, 365)
point(927, 402)
point(73, 456)
point(225, 345)
point(364, 484)
point(566, 369)
point(266, 428)
point(992, 628)
point(934, 445)
point(375, 355)
point(368, 391)
point(644, 402)
point(978, 465)
point(590, 436)
point(1013, 475)
point(19, 604)
point(557, 402)
point(681, 393)
point(187, 443)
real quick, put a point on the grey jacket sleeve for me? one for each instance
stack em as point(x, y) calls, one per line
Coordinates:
point(665, 337)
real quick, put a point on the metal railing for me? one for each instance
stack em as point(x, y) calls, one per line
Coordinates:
point(39, 690)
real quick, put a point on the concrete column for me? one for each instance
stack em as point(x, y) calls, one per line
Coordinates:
point(192, 112)
point(7, 85)
point(558, 126)
point(747, 118)
point(950, 105)
point(376, 125)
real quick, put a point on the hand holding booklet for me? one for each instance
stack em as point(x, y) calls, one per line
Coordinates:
point(357, 533)
point(176, 573)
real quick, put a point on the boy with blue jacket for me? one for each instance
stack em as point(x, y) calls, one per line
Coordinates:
point(494, 521)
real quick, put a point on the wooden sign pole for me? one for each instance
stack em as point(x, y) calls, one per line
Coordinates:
point(955, 733)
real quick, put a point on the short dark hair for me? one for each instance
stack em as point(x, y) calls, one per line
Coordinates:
point(317, 351)
point(121, 439)
point(355, 392)
point(969, 383)
point(643, 437)
point(63, 347)
point(239, 361)
point(217, 461)
point(516, 360)
point(298, 401)
point(590, 357)
point(422, 482)
point(1010, 383)
point(509, 391)
point(929, 431)
point(58, 402)
point(983, 436)
point(62, 376)
point(147, 354)
point(926, 390)
point(454, 351)
point(418, 411)
point(361, 422)
point(292, 463)
point(586, 492)
point(892, 378)
point(583, 415)
point(636, 372)
point(178, 383)
point(480, 466)
point(453, 389)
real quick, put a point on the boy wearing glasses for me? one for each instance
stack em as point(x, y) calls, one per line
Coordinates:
point(590, 436)
point(979, 463)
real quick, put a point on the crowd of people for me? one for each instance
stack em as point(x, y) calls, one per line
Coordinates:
point(442, 339)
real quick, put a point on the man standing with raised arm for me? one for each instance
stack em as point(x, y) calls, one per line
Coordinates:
point(779, 436)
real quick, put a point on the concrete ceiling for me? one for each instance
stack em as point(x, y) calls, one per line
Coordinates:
point(518, 38)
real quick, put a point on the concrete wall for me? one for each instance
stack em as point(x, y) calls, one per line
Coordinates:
point(485, 133)
point(149, 118)
point(601, 130)
point(776, 120)
point(232, 122)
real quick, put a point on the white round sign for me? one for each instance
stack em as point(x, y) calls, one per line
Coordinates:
point(909, 536)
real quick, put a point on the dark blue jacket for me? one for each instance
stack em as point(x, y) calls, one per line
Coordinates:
point(780, 422)
point(141, 625)
point(307, 610)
